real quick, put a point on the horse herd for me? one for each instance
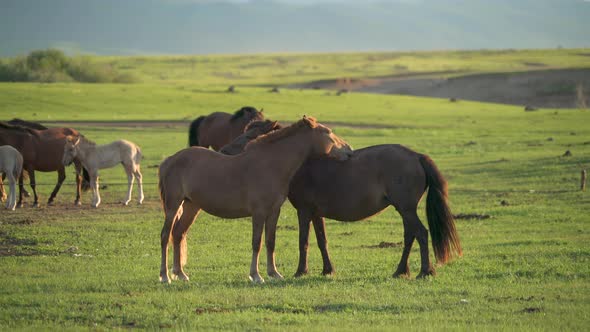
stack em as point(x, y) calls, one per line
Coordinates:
point(28, 146)
point(253, 166)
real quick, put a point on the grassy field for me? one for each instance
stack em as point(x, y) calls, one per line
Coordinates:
point(526, 267)
point(280, 69)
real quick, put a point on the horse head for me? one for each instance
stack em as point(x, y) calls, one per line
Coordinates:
point(326, 143)
point(71, 149)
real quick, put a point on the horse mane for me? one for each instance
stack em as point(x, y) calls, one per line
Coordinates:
point(86, 141)
point(262, 124)
point(7, 126)
point(241, 112)
point(28, 124)
point(276, 135)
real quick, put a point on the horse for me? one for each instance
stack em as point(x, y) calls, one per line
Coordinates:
point(254, 183)
point(218, 129)
point(42, 151)
point(11, 163)
point(94, 157)
point(38, 126)
point(381, 176)
point(252, 130)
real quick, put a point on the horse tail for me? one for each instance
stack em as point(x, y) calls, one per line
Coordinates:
point(161, 187)
point(445, 239)
point(193, 131)
point(138, 156)
point(18, 166)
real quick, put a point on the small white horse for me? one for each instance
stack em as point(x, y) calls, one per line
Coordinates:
point(11, 163)
point(95, 157)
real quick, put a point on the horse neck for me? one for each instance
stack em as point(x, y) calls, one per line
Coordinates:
point(86, 151)
point(289, 153)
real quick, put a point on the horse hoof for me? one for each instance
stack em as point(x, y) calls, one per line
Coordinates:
point(35, 205)
point(300, 274)
point(401, 275)
point(257, 279)
point(165, 280)
point(275, 275)
point(77, 203)
point(328, 272)
point(425, 274)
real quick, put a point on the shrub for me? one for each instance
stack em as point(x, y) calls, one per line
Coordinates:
point(53, 65)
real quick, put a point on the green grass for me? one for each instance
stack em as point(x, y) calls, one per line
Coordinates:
point(297, 68)
point(525, 268)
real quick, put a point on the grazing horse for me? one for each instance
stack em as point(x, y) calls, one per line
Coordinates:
point(94, 157)
point(371, 180)
point(254, 183)
point(218, 129)
point(11, 163)
point(42, 151)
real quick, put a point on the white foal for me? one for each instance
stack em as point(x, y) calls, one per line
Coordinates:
point(11, 163)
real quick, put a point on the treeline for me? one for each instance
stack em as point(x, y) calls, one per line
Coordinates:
point(53, 65)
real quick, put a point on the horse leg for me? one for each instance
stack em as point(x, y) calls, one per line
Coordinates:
point(129, 172)
point(78, 168)
point(270, 233)
point(12, 196)
point(33, 186)
point(21, 188)
point(257, 227)
point(403, 269)
point(319, 227)
point(417, 229)
point(2, 192)
point(61, 176)
point(304, 217)
point(95, 193)
point(138, 176)
point(171, 212)
point(179, 232)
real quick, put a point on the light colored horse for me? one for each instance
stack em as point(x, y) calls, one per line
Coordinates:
point(254, 183)
point(11, 163)
point(95, 157)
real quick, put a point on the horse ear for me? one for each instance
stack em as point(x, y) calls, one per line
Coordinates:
point(261, 110)
point(309, 121)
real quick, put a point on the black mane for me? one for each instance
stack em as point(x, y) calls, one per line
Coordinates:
point(27, 124)
point(240, 113)
point(7, 126)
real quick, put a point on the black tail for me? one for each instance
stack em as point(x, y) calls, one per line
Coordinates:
point(85, 180)
point(193, 131)
point(445, 239)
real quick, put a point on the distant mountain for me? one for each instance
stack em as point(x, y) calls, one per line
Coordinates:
point(253, 26)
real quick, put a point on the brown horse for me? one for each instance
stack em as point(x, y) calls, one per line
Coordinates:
point(42, 150)
point(218, 129)
point(380, 176)
point(196, 179)
point(38, 126)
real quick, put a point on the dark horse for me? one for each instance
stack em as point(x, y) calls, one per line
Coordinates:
point(218, 129)
point(38, 126)
point(42, 150)
point(371, 180)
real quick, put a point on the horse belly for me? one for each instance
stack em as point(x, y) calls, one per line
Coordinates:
point(352, 205)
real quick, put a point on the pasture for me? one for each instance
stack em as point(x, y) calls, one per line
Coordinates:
point(525, 267)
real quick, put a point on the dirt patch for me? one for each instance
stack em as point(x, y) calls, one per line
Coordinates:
point(384, 244)
point(13, 246)
point(538, 88)
point(471, 216)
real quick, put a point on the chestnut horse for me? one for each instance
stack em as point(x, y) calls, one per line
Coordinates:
point(218, 129)
point(42, 150)
point(196, 179)
point(371, 180)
